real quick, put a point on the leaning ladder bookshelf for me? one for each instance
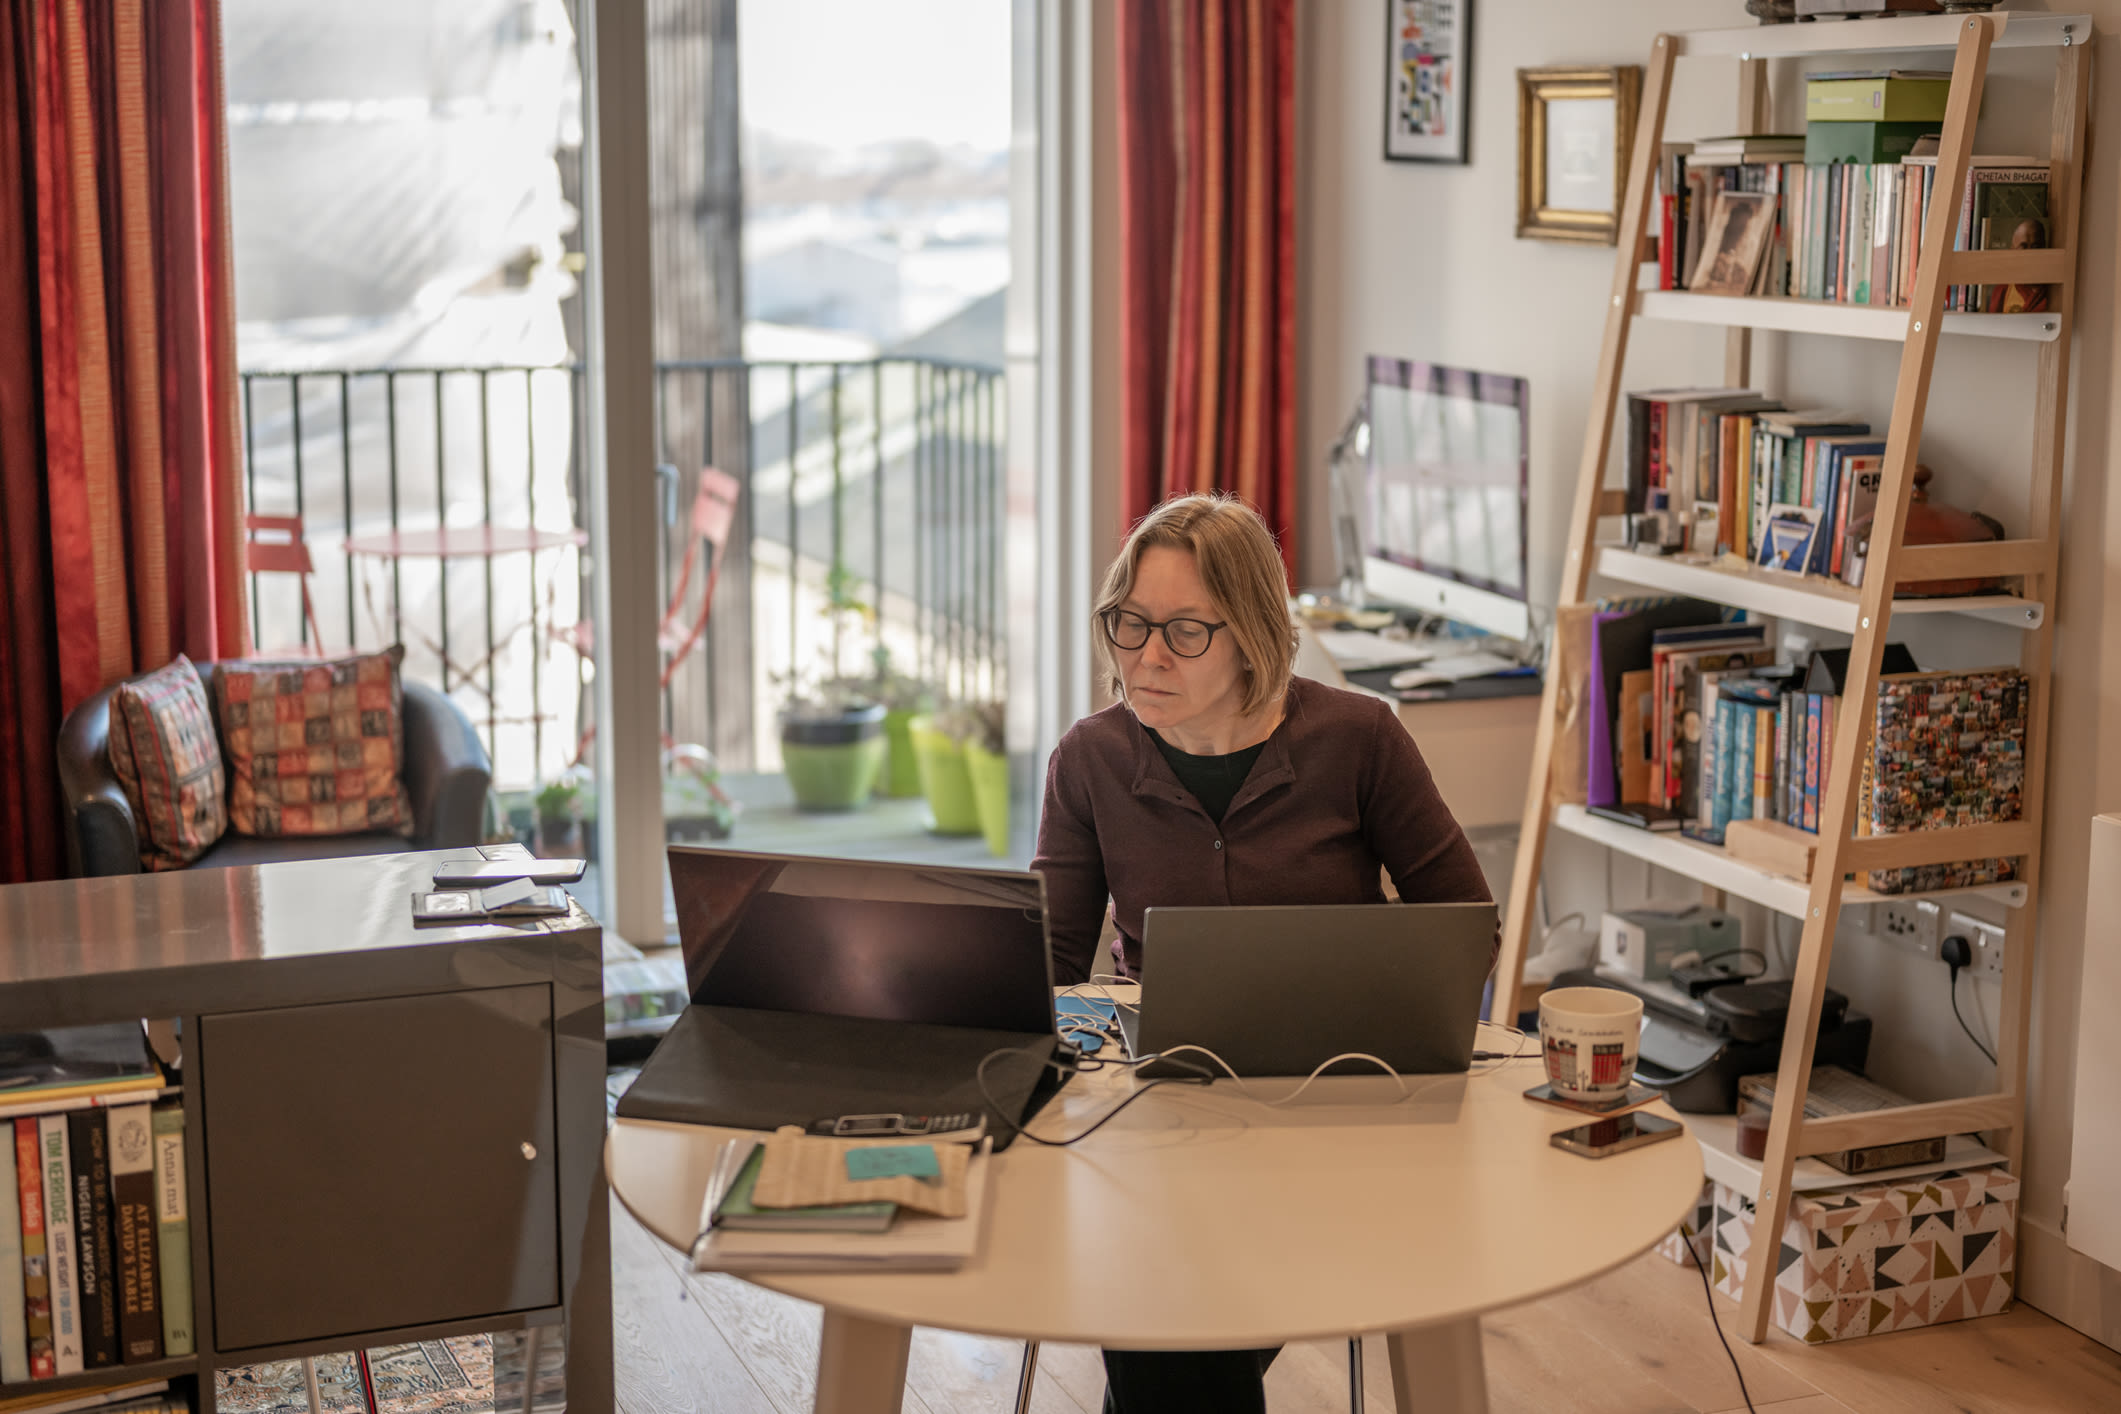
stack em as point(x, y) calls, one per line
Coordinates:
point(1866, 614)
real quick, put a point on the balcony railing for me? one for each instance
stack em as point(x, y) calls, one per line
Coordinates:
point(873, 488)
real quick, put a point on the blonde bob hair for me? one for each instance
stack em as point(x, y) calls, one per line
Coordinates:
point(1241, 568)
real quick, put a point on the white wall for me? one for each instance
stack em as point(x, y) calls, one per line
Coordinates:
point(1420, 261)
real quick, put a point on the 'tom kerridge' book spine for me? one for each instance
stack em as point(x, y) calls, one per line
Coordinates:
point(36, 1281)
point(59, 1246)
point(173, 1230)
point(132, 1185)
point(14, 1328)
point(92, 1238)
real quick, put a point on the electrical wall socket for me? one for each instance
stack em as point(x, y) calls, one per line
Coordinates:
point(1911, 925)
point(1986, 939)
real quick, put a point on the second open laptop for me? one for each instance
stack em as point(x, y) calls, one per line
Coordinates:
point(1279, 990)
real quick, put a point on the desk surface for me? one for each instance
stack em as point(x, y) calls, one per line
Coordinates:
point(1199, 1219)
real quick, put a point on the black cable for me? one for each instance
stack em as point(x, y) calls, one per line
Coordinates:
point(1709, 1292)
point(1962, 1021)
point(1753, 953)
point(979, 1078)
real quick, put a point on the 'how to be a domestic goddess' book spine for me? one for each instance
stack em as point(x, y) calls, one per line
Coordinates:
point(59, 1246)
point(132, 1186)
point(93, 1254)
point(14, 1327)
point(36, 1281)
point(173, 1230)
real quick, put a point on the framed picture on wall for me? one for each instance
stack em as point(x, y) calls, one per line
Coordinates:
point(1428, 71)
point(1575, 128)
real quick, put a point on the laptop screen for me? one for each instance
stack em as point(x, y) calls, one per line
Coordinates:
point(842, 937)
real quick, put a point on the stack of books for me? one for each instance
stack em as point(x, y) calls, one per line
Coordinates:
point(133, 1397)
point(95, 1245)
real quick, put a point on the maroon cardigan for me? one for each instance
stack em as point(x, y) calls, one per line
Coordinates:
point(1338, 791)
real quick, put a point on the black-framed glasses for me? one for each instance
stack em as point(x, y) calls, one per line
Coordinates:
point(1188, 638)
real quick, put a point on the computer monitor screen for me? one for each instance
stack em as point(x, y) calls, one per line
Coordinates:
point(1448, 484)
point(843, 937)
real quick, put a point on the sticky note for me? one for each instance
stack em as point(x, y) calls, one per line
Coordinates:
point(893, 1161)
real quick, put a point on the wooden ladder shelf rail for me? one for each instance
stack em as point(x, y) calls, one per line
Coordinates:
point(1891, 563)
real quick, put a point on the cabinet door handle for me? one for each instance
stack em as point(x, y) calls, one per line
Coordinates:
point(530, 1150)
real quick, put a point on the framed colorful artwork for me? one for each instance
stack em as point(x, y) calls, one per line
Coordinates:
point(1428, 72)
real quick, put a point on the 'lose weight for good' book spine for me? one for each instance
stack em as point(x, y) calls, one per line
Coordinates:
point(93, 1254)
point(132, 1185)
point(59, 1246)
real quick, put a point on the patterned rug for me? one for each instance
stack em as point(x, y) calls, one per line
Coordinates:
point(453, 1376)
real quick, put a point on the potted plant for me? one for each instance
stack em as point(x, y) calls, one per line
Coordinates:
point(694, 804)
point(964, 773)
point(558, 804)
point(905, 697)
point(832, 726)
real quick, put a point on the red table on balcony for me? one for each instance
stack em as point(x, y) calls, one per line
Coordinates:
point(455, 542)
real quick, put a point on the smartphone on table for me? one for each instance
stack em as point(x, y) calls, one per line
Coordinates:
point(465, 873)
point(1616, 1135)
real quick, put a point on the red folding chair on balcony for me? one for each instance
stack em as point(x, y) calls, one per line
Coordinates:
point(275, 546)
point(713, 520)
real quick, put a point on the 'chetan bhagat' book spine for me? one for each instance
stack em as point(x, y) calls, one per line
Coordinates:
point(93, 1256)
point(14, 1323)
point(132, 1191)
point(59, 1246)
point(36, 1282)
point(173, 1230)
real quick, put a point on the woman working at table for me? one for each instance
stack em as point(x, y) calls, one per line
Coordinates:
point(1219, 778)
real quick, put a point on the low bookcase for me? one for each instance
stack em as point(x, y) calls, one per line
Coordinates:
point(391, 1133)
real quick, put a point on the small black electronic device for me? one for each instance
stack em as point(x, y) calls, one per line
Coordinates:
point(1616, 1135)
point(462, 873)
point(957, 1128)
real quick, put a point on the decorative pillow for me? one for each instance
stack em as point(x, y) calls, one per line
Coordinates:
point(315, 748)
point(163, 749)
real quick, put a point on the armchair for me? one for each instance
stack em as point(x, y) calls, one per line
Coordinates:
point(446, 774)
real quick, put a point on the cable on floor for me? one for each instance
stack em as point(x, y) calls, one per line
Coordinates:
point(1709, 1292)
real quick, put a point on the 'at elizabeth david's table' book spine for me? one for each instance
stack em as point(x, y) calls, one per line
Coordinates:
point(14, 1328)
point(36, 1281)
point(173, 1228)
point(94, 1259)
point(59, 1246)
point(132, 1186)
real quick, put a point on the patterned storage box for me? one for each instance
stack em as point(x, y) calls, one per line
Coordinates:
point(1885, 1257)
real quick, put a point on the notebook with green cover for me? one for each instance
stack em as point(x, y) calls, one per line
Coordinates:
point(738, 1213)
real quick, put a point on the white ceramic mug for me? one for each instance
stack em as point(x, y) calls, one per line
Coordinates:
point(1591, 1036)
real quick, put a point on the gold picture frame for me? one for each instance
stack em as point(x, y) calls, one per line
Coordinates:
point(1575, 131)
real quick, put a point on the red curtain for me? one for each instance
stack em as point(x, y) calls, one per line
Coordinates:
point(1207, 133)
point(120, 474)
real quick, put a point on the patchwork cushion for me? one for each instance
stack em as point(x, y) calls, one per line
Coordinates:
point(315, 748)
point(163, 750)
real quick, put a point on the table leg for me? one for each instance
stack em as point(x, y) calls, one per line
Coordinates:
point(861, 1366)
point(1437, 1369)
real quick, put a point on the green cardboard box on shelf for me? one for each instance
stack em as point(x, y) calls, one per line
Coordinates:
point(1862, 1261)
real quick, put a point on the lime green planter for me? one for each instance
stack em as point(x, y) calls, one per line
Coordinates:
point(990, 795)
point(945, 780)
point(902, 768)
point(832, 762)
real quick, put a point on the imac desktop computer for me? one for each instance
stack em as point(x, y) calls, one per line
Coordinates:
point(1447, 485)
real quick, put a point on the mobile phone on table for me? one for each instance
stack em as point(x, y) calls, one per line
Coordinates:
point(1616, 1135)
point(465, 873)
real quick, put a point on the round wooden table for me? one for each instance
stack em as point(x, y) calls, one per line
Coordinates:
point(1200, 1219)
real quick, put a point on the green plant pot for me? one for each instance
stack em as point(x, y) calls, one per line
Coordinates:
point(902, 767)
point(990, 795)
point(832, 762)
point(944, 780)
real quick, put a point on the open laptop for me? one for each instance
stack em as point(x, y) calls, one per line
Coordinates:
point(1278, 990)
point(828, 989)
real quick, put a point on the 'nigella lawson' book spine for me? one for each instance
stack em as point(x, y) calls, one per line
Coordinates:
point(14, 1319)
point(59, 1246)
point(92, 1238)
point(36, 1280)
point(132, 1188)
point(173, 1230)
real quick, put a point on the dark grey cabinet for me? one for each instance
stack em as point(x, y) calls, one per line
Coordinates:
point(377, 1164)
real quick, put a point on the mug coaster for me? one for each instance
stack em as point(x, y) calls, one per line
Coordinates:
point(1638, 1094)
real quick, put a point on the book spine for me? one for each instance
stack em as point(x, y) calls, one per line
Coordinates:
point(1829, 709)
point(14, 1319)
point(36, 1274)
point(1860, 246)
point(1763, 759)
point(92, 1240)
point(173, 1230)
point(1667, 231)
point(1780, 782)
point(1705, 774)
point(59, 1245)
point(1720, 810)
point(1740, 806)
point(1656, 468)
point(1799, 725)
point(132, 1182)
point(1811, 762)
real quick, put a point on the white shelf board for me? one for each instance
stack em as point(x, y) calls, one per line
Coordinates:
point(1809, 599)
point(1811, 316)
point(1721, 1161)
point(1718, 868)
point(2020, 29)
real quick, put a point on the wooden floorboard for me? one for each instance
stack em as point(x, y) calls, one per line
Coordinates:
point(1637, 1341)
